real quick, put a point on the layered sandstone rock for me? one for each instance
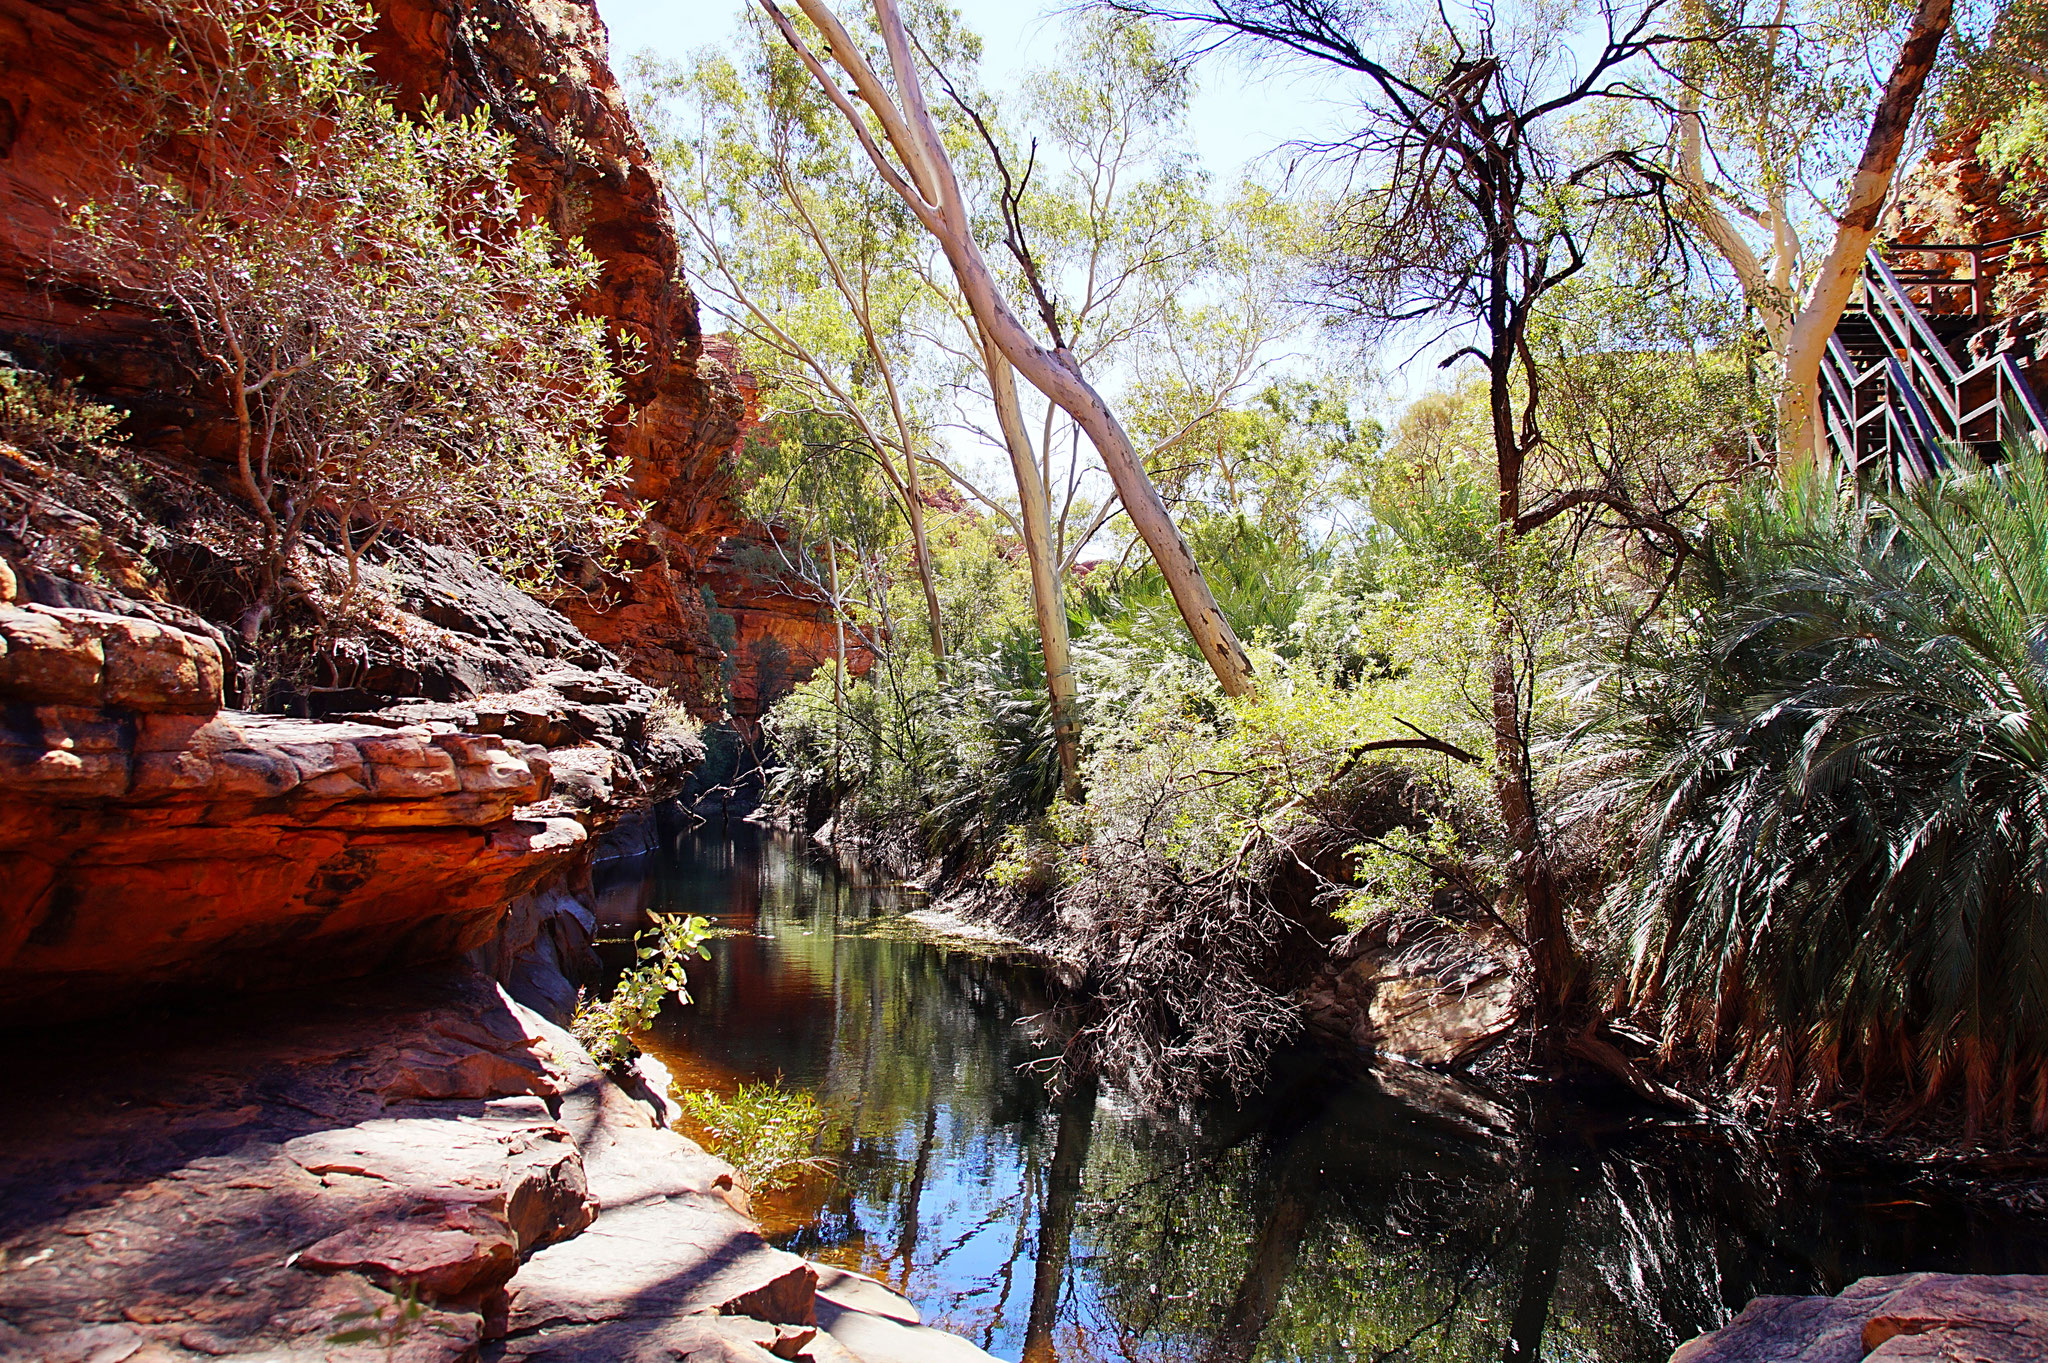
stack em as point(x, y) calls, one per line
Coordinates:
point(1440, 1001)
point(1951, 197)
point(539, 69)
point(152, 838)
point(782, 628)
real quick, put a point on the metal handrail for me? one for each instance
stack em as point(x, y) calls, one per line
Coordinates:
point(1909, 406)
point(1920, 329)
point(1979, 253)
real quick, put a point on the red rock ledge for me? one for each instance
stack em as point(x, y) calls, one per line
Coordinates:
point(152, 838)
point(1954, 1318)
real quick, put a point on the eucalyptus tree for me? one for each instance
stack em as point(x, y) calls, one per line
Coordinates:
point(824, 274)
point(1109, 228)
point(813, 264)
point(1494, 149)
point(905, 145)
point(1766, 109)
point(1107, 224)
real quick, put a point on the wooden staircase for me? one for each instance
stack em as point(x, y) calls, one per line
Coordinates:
point(1901, 395)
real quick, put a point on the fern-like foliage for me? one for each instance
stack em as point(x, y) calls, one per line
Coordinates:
point(1006, 768)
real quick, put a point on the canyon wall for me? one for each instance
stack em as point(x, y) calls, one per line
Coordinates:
point(465, 747)
point(540, 69)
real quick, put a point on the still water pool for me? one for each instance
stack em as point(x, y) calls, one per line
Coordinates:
point(1399, 1216)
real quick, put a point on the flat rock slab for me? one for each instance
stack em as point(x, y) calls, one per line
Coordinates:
point(849, 1291)
point(250, 1182)
point(268, 1181)
point(1956, 1318)
point(879, 1339)
point(658, 1259)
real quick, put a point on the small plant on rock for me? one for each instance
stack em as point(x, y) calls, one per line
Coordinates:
point(607, 1026)
point(765, 1130)
point(42, 415)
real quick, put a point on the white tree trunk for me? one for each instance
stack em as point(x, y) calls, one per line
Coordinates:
point(1799, 331)
point(1048, 603)
point(927, 184)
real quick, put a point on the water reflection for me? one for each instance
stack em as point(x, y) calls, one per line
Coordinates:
point(1395, 1216)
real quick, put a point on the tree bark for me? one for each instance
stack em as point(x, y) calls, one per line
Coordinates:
point(1554, 964)
point(928, 186)
point(1800, 335)
point(838, 673)
point(1048, 603)
point(1798, 402)
point(913, 502)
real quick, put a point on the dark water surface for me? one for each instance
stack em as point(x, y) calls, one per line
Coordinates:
point(1400, 1218)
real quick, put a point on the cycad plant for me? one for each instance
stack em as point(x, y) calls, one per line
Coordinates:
point(1260, 582)
point(1007, 768)
point(1844, 877)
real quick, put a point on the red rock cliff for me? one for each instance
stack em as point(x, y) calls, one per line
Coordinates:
point(541, 69)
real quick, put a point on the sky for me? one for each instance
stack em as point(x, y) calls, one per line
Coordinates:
point(1238, 115)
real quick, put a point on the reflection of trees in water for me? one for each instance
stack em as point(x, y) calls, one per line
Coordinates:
point(1062, 1195)
point(1369, 1231)
point(1404, 1218)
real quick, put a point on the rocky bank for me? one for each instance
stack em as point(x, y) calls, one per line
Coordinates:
point(420, 1169)
point(1954, 1318)
point(290, 927)
point(456, 745)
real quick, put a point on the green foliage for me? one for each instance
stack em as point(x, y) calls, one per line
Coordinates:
point(1260, 581)
point(1399, 872)
point(397, 343)
point(1993, 87)
point(607, 1027)
point(1846, 765)
point(387, 1324)
point(1004, 769)
point(766, 1131)
point(929, 767)
point(44, 415)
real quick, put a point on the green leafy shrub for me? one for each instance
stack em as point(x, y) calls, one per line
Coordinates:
point(44, 415)
point(607, 1027)
point(766, 1131)
point(395, 341)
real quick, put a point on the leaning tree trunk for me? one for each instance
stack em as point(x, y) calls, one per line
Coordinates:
point(1800, 335)
point(932, 192)
point(1799, 403)
point(1047, 601)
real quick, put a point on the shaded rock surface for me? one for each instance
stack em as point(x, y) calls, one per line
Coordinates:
point(1438, 1001)
point(1958, 1318)
point(154, 839)
point(260, 1180)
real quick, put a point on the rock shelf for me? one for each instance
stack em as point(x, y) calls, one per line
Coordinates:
point(263, 1181)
